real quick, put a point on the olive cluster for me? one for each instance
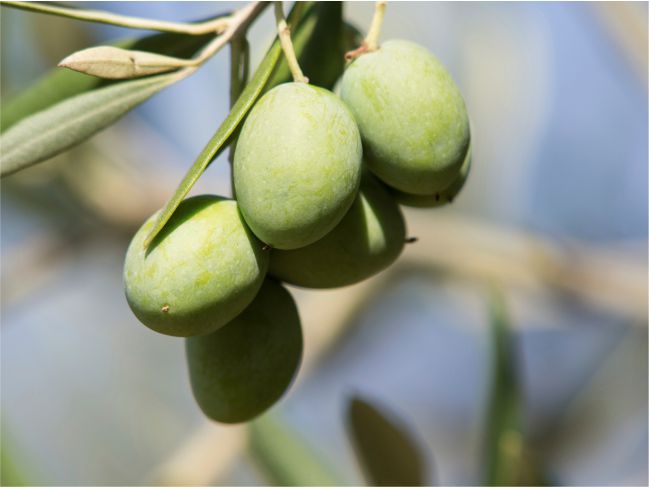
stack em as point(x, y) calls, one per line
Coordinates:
point(317, 179)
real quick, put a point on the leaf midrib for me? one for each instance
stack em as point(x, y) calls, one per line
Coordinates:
point(75, 120)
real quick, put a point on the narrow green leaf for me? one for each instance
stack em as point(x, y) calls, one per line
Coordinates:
point(510, 459)
point(284, 457)
point(60, 84)
point(65, 124)
point(386, 452)
point(301, 12)
point(115, 63)
point(504, 443)
point(239, 74)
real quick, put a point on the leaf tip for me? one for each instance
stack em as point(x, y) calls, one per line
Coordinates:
point(69, 62)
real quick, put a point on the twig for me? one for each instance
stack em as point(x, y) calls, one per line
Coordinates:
point(610, 279)
point(626, 25)
point(116, 63)
point(217, 25)
point(237, 24)
point(209, 453)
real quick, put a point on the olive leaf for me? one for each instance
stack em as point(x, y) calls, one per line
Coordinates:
point(284, 457)
point(67, 123)
point(57, 85)
point(218, 141)
point(66, 107)
point(301, 15)
point(115, 63)
point(503, 441)
point(60, 84)
point(386, 452)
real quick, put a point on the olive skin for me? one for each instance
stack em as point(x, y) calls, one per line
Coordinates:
point(201, 271)
point(368, 239)
point(441, 198)
point(242, 369)
point(411, 116)
point(297, 166)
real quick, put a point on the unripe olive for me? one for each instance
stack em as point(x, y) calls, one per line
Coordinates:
point(201, 271)
point(242, 369)
point(440, 198)
point(297, 165)
point(367, 240)
point(410, 114)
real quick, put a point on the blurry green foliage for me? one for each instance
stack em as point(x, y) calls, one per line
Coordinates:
point(508, 457)
point(386, 452)
point(13, 470)
point(284, 457)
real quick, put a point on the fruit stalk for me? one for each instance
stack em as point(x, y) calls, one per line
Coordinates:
point(284, 34)
point(372, 38)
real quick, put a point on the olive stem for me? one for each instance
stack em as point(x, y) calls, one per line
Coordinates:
point(284, 34)
point(237, 26)
point(372, 38)
point(238, 23)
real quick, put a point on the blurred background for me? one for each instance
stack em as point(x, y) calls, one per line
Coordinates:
point(554, 215)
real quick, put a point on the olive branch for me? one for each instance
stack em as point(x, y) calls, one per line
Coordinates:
point(100, 84)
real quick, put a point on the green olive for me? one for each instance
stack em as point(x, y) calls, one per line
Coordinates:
point(242, 369)
point(446, 195)
point(367, 240)
point(297, 165)
point(201, 271)
point(411, 116)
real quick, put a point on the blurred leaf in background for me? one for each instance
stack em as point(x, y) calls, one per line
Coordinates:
point(508, 459)
point(284, 458)
point(12, 465)
point(386, 452)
